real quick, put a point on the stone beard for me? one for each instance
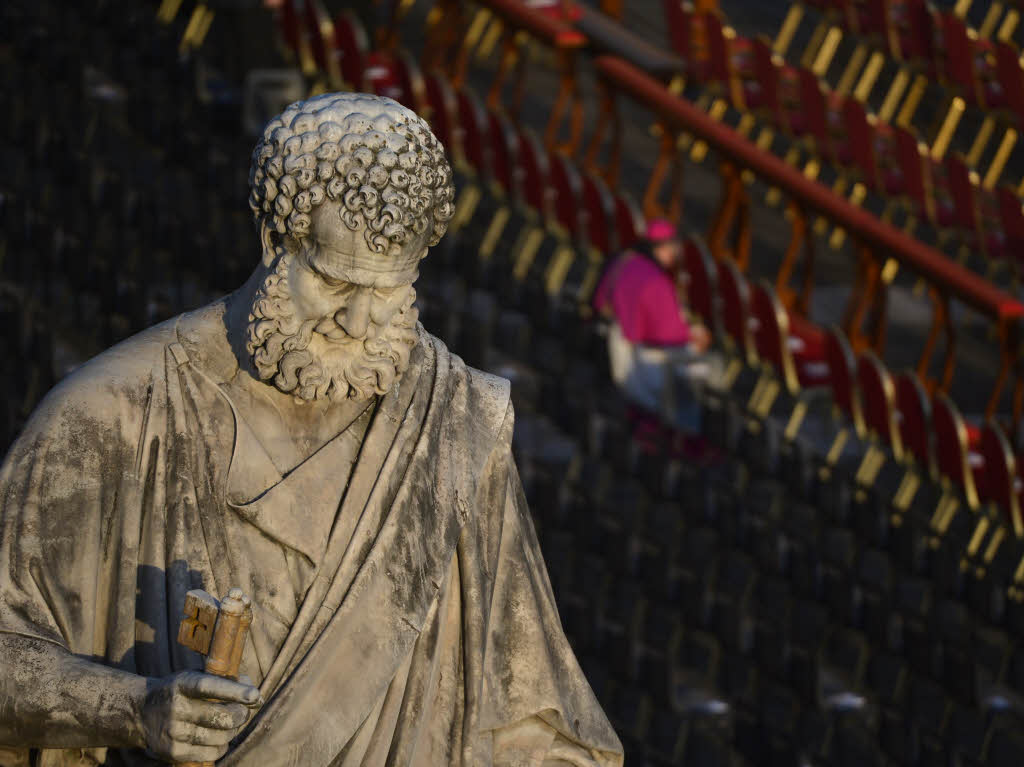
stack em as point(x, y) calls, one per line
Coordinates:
point(317, 358)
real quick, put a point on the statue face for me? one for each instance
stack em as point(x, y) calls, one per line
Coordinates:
point(334, 319)
point(334, 273)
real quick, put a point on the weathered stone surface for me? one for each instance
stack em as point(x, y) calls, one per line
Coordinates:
point(307, 440)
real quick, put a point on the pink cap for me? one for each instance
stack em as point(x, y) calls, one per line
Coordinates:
point(659, 230)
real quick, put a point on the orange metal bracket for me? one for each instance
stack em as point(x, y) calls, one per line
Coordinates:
point(733, 218)
point(669, 164)
point(942, 324)
point(568, 108)
point(799, 244)
point(608, 124)
point(1009, 344)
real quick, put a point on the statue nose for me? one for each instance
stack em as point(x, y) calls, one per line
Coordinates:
point(354, 318)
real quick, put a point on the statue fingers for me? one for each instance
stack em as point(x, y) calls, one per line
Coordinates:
point(188, 734)
point(189, 752)
point(196, 684)
point(217, 716)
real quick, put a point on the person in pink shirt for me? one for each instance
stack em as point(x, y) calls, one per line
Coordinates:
point(650, 336)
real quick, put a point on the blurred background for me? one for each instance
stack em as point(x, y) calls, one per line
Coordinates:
point(824, 567)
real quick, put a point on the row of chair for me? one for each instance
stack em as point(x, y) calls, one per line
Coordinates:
point(881, 152)
point(926, 435)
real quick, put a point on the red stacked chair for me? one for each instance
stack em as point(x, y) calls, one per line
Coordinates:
point(1010, 80)
point(965, 63)
point(878, 400)
point(794, 346)
point(842, 379)
point(914, 417)
point(471, 129)
point(699, 271)
point(440, 111)
point(881, 471)
point(395, 74)
point(599, 215)
point(958, 463)
point(735, 312)
point(1002, 484)
point(321, 41)
point(353, 48)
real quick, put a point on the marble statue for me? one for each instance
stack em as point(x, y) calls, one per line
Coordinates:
point(306, 440)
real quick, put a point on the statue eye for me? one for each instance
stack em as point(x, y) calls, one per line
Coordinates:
point(326, 279)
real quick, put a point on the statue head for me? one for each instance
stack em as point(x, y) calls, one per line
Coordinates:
point(349, 191)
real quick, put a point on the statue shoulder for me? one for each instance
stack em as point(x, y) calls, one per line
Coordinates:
point(121, 368)
point(487, 396)
point(115, 386)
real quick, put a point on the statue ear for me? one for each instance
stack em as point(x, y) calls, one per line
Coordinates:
point(267, 241)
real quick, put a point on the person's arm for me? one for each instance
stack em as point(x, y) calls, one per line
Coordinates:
point(602, 301)
point(664, 323)
point(50, 698)
point(602, 296)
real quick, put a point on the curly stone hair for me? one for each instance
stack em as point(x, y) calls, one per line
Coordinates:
point(379, 158)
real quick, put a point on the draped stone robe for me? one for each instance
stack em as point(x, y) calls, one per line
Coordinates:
point(403, 615)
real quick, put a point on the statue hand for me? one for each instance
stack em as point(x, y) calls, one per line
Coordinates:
point(191, 716)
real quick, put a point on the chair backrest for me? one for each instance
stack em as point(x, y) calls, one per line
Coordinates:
point(441, 109)
point(914, 419)
point(566, 194)
point(770, 332)
point(874, 20)
point(719, 64)
point(957, 59)
point(380, 76)
point(678, 22)
point(320, 33)
point(472, 129)
point(952, 451)
point(288, 20)
point(532, 173)
point(629, 221)
point(1001, 475)
point(395, 74)
point(501, 147)
point(912, 156)
point(842, 374)
point(878, 401)
point(598, 214)
point(410, 79)
point(353, 48)
point(1011, 216)
point(860, 134)
point(735, 316)
point(814, 111)
point(1010, 73)
point(807, 343)
point(962, 184)
point(915, 28)
point(766, 75)
point(700, 290)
